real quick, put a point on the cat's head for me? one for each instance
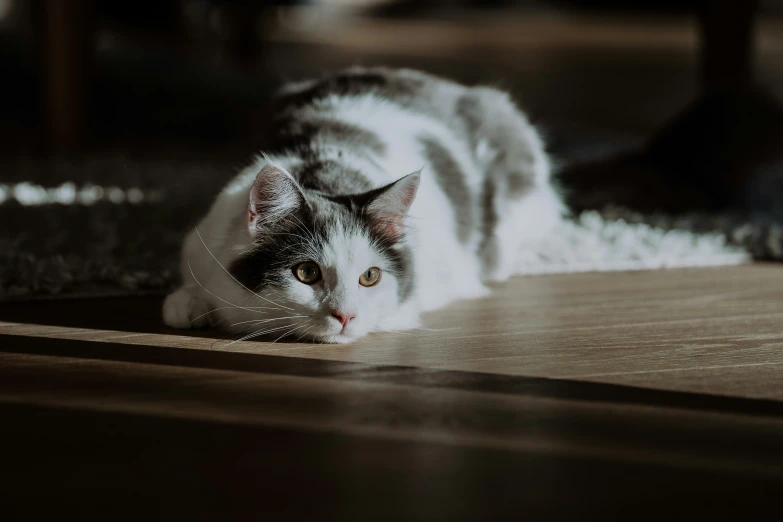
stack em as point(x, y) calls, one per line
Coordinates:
point(323, 267)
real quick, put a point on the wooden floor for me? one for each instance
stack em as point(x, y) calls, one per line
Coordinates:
point(585, 395)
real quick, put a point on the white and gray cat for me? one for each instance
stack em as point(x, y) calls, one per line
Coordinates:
point(385, 193)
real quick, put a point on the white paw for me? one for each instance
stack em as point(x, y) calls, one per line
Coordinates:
point(185, 309)
point(406, 318)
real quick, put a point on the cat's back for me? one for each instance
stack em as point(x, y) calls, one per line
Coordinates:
point(397, 117)
point(406, 88)
point(384, 100)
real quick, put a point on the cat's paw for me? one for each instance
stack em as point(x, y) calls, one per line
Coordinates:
point(185, 309)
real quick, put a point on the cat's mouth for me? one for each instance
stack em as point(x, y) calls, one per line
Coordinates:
point(335, 327)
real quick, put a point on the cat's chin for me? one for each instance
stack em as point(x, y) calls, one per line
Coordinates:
point(338, 338)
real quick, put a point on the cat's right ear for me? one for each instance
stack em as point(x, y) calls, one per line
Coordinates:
point(274, 196)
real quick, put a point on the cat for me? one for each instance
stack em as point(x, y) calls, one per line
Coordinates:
point(384, 193)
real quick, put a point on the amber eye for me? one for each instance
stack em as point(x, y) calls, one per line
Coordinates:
point(370, 277)
point(307, 272)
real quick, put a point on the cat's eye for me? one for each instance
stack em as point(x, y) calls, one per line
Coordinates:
point(370, 277)
point(308, 272)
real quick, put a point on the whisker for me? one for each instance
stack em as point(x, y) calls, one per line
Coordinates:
point(303, 228)
point(229, 273)
point(257, 321)
point(285, 234)
point(288, 333)
point(252, 308)
point(309, 237)
point(303, 332)
point(257, 334)
point(215, 296)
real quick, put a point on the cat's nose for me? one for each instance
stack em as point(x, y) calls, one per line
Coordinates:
point(343, 317)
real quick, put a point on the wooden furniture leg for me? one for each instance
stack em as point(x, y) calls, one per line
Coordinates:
point(66, 44)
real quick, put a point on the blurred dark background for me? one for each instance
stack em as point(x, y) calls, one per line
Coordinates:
point(151, 76)
point(120, 119)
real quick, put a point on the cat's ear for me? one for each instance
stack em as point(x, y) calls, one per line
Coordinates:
point(389, 205)
point(273, 196)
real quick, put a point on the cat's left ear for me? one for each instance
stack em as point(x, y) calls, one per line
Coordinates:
point(273, 196)
point(389, 205)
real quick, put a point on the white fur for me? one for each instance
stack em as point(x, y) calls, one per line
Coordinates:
point(592, 243)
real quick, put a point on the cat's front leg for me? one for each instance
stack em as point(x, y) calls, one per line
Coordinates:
point(186, 308)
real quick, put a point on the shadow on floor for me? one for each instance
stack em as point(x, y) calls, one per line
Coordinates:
point(134, 314)
point(564, 389)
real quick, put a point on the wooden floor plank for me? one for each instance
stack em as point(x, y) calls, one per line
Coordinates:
point(111, 466)
point(105, 431)
point(650, 435)
point(714, 330)
point(558, 397)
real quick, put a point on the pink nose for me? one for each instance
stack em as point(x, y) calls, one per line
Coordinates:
point(343, 317)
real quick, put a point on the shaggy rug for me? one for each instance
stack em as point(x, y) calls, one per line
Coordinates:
point(111, 226)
